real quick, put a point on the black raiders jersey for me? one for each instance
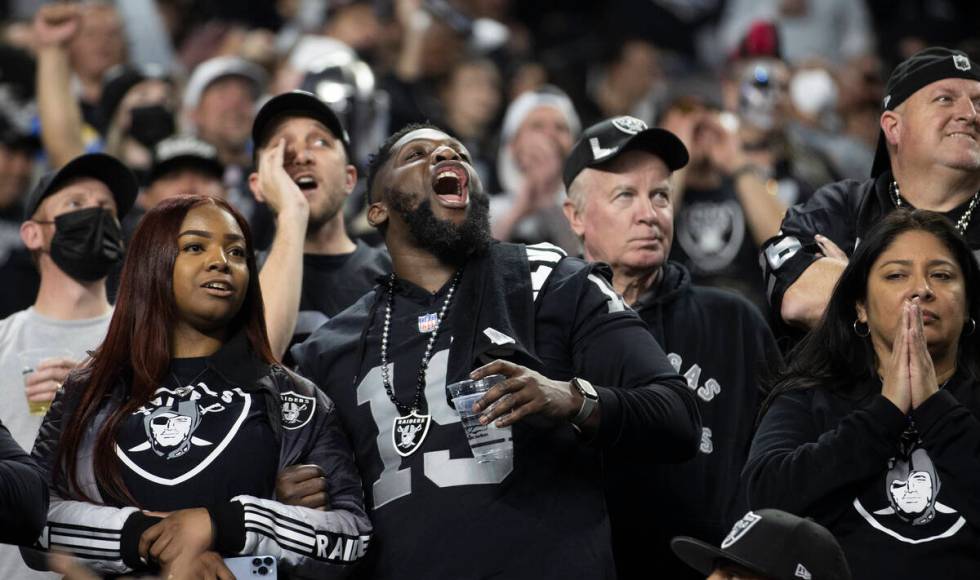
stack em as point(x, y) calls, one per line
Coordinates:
point(437, 512)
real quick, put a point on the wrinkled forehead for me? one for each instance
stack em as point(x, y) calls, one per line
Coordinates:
point(426, 134)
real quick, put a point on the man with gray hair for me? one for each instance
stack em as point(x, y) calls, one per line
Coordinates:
point(620, 204)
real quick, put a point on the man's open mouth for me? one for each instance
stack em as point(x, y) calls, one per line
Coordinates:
point(305, 182)
point(451, 185)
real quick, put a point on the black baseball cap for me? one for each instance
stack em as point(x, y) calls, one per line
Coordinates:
point(605, 140)
point(771, 543)
point(185, 151)
point(923, 68)
point(105, 168)
point(297, 104)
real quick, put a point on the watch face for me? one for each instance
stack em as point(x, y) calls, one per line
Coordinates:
point(586, 388)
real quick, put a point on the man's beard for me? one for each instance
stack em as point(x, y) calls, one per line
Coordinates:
point(329, 211)
point(452, 244)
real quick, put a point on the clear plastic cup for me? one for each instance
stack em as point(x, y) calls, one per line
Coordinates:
point(487, 442)
point(30, 359)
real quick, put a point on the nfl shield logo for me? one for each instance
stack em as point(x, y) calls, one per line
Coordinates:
point(740, 528)
point(408, 432)
point(428, 323)
point(297, 410)
point(961, 62)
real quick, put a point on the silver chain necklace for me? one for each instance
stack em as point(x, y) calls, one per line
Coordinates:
point(410, 427)
point(961, 224)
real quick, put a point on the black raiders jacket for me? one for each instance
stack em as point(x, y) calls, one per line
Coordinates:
point(307, 542)
point(843, 211)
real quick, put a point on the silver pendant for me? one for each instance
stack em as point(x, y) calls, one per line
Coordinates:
point(408, 432)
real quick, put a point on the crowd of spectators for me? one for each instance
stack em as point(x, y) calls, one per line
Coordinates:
point(771, 100)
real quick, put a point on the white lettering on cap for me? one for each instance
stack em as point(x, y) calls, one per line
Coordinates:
point(598, 151)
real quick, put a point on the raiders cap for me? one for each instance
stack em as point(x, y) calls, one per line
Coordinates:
point(105, 168)
point(185, 151)
point(298, 104)
point(771, 543)
point(605, 140)
point(923, 68)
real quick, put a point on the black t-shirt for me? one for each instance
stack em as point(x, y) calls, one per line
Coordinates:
point(331, 283)
point(199, 444)
point(712, 239)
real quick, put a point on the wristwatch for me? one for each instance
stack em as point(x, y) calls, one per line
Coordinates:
point(590, 399)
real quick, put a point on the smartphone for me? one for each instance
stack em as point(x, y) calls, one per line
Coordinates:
point(249, 567)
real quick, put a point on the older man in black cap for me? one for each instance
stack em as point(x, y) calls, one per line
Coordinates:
point(928, 158)
point(620, 203)
point(71, 227)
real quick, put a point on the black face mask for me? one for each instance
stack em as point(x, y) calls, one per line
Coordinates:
point(150, 125)
point(87, 243)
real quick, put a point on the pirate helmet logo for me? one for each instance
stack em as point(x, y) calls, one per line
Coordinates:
point(629, 125)
point(297, 410)
point(170, 429)
point(961, 62)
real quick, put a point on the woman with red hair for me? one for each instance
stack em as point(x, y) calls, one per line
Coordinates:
point(163, 449)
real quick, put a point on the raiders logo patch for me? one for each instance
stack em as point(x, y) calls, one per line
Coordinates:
point(740, 528)
point(961, 62)
point(629, 125)
point(297, 410)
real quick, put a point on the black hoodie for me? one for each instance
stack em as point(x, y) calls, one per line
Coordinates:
point(718, 341)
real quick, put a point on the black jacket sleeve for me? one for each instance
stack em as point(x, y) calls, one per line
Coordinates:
point(831, 212)
point(951, 435)
point(23, 494)
point(645, 405)
point(796, 466)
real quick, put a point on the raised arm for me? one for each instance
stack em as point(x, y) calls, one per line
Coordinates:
point(281, 277)
point(60, 114)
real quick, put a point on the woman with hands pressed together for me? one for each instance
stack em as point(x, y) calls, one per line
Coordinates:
point(872, 427)
point(163, 451)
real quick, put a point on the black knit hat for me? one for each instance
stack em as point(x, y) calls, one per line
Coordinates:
point(771, 543)
point(923, 68)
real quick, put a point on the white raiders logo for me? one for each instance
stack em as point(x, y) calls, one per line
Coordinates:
point(297, 410)
point(408, 432)
point(740, 528)
point(961, 62)
point(912, 486)
point(178, 421)
point(629, 125)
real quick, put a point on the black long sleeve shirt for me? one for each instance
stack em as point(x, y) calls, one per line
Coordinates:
point(902, 494)
point(23, 494)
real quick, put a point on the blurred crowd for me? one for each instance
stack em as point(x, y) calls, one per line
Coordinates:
point(794, 86)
